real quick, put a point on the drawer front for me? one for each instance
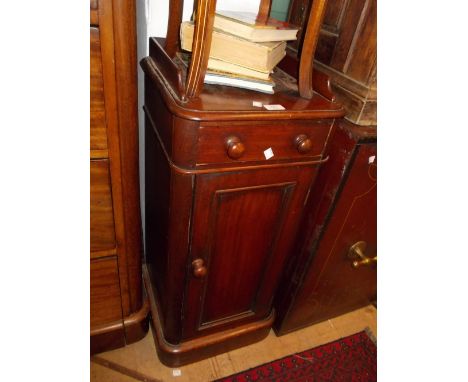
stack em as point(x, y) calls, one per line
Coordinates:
point(98, 132)
point(94, 19)
point(102, 217)
point(105, 302)
point(230, 143)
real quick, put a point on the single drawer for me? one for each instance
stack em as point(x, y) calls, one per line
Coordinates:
point(98, 132)
point(105, 302)
point(102, 235)
point(228, 143)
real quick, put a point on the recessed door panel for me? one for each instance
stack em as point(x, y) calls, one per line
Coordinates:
point(243, 225)
point(242, 229)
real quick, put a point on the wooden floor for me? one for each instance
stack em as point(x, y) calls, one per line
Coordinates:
point(141, 362)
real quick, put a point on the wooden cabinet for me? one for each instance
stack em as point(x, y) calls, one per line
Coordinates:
point(221, 216)
point(118, 312)
point(335, 269)
point(225, 186)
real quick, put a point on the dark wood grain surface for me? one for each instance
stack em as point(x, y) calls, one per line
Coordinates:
point(243, 225)
point(321, 283)
point(257, 137)
point(347, 52)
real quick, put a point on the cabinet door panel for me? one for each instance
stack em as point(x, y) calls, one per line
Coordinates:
point(243, 227)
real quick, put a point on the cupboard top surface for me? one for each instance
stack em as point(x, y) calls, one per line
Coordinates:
point(230, 103)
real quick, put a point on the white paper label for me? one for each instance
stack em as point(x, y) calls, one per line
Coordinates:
point(274, 107)
point(372, 159)
point(176, 372)
point(257, 104)
point(268, 153)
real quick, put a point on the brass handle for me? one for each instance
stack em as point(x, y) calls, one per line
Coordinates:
point(198, 267)
point(303, 143)
point(234, 146)
point(356, 251)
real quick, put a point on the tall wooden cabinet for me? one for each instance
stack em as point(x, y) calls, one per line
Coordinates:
point(118, 311)
point(334, 269)
point(221, 214)
point(339, 227)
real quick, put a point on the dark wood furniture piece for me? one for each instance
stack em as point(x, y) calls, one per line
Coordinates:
point(334, 270)
point(221, 217)
point(118, 311)
point(346, 52)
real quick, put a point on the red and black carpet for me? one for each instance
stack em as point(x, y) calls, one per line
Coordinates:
point(352, 358)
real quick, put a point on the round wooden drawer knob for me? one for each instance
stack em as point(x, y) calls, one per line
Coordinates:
point(235, 148)
point(198, 267)
point(303, 143)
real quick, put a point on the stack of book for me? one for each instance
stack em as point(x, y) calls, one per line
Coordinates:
point(243, 51)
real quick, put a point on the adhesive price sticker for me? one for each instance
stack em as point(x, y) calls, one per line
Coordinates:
point(274, 107)
point(268, 153)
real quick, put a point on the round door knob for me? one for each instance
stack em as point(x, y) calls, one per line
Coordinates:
point(234, 146)
point(198, 267)
point(303, 143)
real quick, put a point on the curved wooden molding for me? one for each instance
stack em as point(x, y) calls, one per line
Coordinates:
point(171, 98)
point(122, 332)
point(167, 68)
point(207, 346)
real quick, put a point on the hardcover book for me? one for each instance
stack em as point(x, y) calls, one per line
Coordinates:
point(245, 25)
point(224, 66)
point(219, 77)
point(262, 57)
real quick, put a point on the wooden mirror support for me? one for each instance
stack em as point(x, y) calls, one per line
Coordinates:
point(176, 8)
point(201, 47)
point(204, 18)
point(306, 63)
point(264, 10)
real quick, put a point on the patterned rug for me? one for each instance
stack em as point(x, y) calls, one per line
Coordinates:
point(352, 358)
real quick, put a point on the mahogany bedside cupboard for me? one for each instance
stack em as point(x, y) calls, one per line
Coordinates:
point(221, 214)
point(118, 311)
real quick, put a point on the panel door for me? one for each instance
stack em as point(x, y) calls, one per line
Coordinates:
point(242, 229)
point(332, 285)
